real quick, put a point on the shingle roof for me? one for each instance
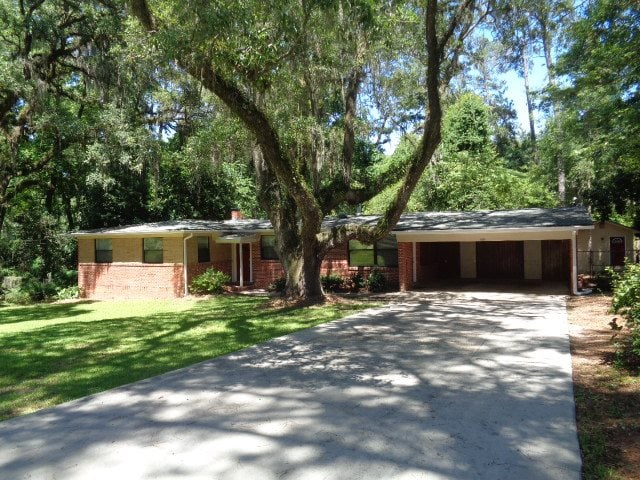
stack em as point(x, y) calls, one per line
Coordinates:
point(492, 219)
point(427, 221)
point(175, 226)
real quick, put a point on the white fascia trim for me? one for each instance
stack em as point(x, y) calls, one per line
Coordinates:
point(138, 234)
point(489, 231)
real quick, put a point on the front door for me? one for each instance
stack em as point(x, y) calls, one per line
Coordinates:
point(616, 249)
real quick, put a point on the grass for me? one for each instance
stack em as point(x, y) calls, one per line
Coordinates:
point(53, 353)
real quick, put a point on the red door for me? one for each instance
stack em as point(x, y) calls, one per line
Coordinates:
point(616, 249)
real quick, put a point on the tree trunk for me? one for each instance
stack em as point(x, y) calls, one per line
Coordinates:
point(300, 254)
point(560, 162)
point(303, 277)
point(527, 91)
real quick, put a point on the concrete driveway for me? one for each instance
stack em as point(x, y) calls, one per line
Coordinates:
point(464, 385)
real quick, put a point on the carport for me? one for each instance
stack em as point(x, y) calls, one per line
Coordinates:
point(529, 245)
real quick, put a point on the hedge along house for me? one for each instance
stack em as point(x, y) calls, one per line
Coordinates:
point(149, 260)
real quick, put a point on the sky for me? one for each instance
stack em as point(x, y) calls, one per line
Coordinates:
point(515, 91)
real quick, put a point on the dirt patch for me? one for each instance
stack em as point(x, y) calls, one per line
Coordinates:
point(279, 302)
point(607, 398)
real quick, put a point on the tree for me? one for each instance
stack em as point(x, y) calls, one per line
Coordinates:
point(292, 73)
point(48, 54)
point(470, 175)
point(514, 30)
point(601, 104)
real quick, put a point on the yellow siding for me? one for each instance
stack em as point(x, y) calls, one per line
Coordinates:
point(532, 260)
point(172, 247)
point(221, 251)
point(127, 249)
point(597, 241)
point(86, 250)
point(468, 260)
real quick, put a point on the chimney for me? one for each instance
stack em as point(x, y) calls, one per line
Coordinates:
point(236, 214)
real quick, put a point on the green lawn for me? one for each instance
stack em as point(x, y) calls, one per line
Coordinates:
point(57, 352)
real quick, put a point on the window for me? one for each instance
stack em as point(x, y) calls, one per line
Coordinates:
point(204, 254)
point(104, 250)
point(268, 247)
point(152, 250)
point(383, 254)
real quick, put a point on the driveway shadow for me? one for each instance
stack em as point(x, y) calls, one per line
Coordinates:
point(452, 385)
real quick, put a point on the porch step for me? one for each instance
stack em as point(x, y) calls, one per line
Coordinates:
point(235, 288)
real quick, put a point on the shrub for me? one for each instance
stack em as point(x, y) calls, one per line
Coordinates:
point(279, 285)
point(66, 278)
point(604, 279)
point(68, 293)
point(626, 301)
point(17, 297)
point(332, 282)
point(356, 282)
point(38, 290)
point(377, 282)
point(211, 281)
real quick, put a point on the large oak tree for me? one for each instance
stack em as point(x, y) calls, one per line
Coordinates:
point(293, 72)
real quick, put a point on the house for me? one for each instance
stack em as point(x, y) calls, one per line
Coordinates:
point(607, 244)
point(156, 260)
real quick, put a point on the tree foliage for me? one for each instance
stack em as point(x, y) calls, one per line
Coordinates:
point(470, 174)
point(602, 107)
point(292, 74)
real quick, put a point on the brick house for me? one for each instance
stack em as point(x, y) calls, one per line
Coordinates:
point(148, 260)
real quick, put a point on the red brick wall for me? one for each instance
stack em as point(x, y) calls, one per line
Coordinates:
point(131, 280)
point(405, 265)
point(336, 262)
point(196, 269)
point(265, 272)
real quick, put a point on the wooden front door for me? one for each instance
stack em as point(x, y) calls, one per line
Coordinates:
point(617, 251)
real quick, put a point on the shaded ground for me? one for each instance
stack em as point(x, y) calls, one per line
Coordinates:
point(607, 398)
point(446, 385)
point(52, 353)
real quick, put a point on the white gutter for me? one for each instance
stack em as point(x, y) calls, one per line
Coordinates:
point(471, 231)
point(185, 264)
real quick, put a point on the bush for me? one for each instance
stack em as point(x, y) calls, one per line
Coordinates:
point(37, 290)
point(279, 285)
point(66, 278)
point(17, 296)
point(377, 282)
point(604, 279)
point(332, 282)
point(211, 281)
point(626, 301)
point(68, 293)
point(356, 282)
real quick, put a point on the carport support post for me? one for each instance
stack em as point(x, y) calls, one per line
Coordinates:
point(574, 263)
point(415, 272)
